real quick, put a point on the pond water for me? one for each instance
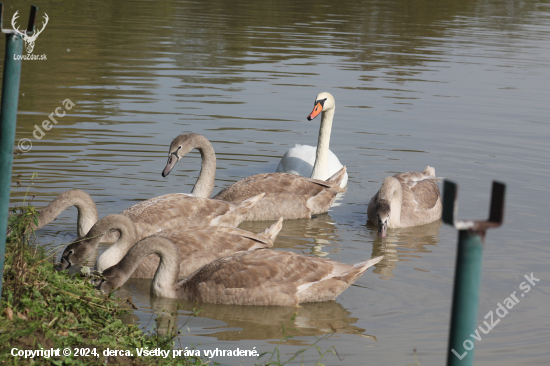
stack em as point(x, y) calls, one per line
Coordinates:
point(461, 86)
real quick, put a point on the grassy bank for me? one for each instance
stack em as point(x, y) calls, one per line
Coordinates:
point(44, 309)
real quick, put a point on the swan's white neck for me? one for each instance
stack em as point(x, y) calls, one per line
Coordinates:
point(321, 167)
point(205, 183)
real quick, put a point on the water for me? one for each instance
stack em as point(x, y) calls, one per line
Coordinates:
point(461, 86)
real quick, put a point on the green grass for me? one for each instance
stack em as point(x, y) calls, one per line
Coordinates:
point(43, 308)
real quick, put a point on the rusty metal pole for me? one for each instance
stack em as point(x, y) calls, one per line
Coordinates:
point(469, 257)
point(8, 118)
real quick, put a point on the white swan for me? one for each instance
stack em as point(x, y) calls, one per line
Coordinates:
point(310, 161)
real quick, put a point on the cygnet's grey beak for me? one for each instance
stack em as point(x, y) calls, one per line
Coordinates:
point(65, 264)
point(172, 160)
point(382, 228)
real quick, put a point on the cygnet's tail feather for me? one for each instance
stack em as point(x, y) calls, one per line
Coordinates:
point(333, 183)
point(358, 269)
point(272, 231)
point(336, 179)
point(366, 264)
point(429, 171)
point(251, 202)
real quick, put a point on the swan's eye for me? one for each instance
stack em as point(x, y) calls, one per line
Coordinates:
point(175, 153)
point(71, 252)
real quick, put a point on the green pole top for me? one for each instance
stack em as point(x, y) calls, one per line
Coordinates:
point(496, 210)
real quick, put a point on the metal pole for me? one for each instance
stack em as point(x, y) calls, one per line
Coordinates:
point(468, 272)
point(8, 118)
point(465, 298)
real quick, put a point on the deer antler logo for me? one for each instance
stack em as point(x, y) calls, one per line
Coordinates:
point(29, 41)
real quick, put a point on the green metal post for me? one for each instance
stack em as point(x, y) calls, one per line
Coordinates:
point(468, 272)
point(465, 298)
point(8, 118)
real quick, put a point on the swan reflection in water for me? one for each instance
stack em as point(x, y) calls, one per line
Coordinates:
point(234, 322)
point(317, 236)
point(259, 322)
point(402, 244)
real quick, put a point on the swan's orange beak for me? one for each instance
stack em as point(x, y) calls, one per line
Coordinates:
point(316, 110)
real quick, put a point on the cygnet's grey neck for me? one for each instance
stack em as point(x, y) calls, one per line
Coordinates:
point(205, 183)
point(87, 211)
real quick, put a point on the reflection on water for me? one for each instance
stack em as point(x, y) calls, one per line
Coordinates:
point(403, 244)
point(317, 236)
point(264, 322)
point(244, 322)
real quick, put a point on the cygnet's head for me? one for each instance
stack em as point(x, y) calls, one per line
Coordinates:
point(382, 217)
point(180, 146)
point(77, 252)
